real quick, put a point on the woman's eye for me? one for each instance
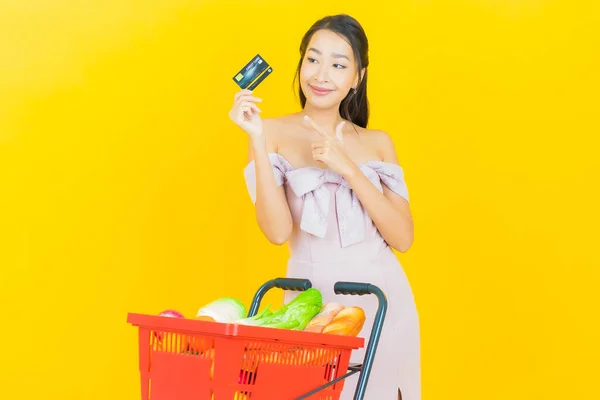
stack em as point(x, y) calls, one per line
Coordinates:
point(339, 66)
point(311, 60)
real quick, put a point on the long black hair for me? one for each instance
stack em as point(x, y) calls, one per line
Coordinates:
point(355, 106)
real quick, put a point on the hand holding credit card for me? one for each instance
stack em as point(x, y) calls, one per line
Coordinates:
point(245, 113)
point(253, 73)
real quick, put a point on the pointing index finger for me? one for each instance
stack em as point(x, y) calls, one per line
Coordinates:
point(316, 127)
point(339, 131)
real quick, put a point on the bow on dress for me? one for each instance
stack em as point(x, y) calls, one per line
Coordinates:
point(309, 183)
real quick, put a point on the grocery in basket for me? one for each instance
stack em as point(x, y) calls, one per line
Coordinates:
point(298, 351)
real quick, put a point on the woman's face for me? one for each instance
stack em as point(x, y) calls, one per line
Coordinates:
point(328, 71)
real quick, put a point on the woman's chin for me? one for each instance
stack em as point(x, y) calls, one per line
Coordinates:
point(321, 103)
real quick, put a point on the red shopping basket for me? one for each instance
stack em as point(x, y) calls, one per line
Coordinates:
point(187, 359)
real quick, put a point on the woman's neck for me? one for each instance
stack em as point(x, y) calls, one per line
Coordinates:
point(326, 119)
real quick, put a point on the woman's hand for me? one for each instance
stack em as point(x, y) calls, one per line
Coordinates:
point(245, 114)
point(331, 150)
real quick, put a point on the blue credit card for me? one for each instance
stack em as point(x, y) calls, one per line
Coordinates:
point(253, 73)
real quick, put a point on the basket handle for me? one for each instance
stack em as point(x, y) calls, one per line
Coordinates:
point(354, 288)
point(293, 284)
point(280, 283)
point(357, 288)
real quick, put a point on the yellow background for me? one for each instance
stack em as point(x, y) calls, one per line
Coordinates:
point(122, 185)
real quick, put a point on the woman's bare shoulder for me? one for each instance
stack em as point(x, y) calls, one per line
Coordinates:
point(282, 120)
point(381, 141)
point(277, 128)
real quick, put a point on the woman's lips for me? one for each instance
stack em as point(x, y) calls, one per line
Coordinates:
point(320, 91)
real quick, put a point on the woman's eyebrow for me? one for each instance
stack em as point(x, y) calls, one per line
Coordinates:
point(334, 55)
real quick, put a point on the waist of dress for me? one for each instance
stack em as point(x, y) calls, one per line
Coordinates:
point(332, 255)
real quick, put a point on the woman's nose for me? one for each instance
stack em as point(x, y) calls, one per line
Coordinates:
point(321, 73)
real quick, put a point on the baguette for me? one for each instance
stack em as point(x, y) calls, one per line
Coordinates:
point(348, 322)
point(319, 321)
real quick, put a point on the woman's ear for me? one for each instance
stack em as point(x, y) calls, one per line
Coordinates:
point(362, 75)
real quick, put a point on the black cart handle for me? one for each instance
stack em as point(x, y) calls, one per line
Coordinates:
point(359, 288)
point(354, 288)
point(280, 283)
point(293, 284)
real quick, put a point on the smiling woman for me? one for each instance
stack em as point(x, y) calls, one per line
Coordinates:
point(345, 65)
point(113, 167)
point(335, 191)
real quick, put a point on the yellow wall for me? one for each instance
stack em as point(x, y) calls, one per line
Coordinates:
point(122, 186)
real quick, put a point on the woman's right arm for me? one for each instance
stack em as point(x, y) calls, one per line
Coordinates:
point(272, 211)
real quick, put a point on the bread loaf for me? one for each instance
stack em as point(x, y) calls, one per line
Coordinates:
point(319, 321)
point(348, 322)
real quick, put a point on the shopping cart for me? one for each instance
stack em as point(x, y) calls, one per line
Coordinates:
point(187, 359)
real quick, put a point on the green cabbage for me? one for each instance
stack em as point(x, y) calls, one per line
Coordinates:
point(224, 309)
point(294, 315)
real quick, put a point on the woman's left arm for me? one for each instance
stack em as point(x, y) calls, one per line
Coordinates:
point(389, 211)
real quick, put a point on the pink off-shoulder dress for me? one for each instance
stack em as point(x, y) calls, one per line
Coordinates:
point(334, 240)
